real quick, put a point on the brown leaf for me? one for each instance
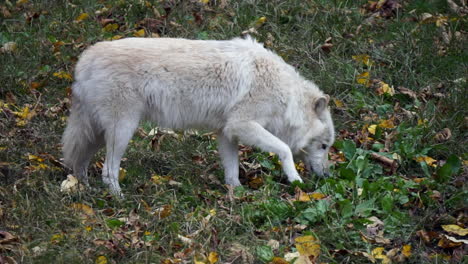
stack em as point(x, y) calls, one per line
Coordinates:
point(5, 12)
point(443, 135)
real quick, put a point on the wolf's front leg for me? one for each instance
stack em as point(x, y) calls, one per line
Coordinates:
point(228, 150)
point(252, 133)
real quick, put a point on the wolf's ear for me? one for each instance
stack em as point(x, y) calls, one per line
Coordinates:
point(321, 103)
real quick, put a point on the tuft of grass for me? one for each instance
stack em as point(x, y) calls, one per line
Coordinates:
point(176, 206)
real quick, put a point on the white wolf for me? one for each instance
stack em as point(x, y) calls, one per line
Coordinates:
point(236, 88)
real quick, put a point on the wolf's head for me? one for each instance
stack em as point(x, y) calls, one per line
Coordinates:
point(322, 136)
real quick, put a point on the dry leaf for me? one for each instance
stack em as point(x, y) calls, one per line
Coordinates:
point(455, 229)
point(213, 257)
point(86, 209)
point(363, 58)
point(443, 135)
point(363, 78)
point(140, 33)
point(101, 260)
point(307, 246)
point(111, 27)
point(63, 75)
point(81, 17)
point(338, 103)
point(372, 129)
point(428, 160)
point(9, 47)
point(70, 184)
point(406, 251)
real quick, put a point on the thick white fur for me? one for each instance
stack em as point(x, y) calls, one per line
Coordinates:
point(236, 88)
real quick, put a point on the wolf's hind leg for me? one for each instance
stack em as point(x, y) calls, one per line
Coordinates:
point(117, 137)
point(252, 133)
point(228, 150)
point(80, 167)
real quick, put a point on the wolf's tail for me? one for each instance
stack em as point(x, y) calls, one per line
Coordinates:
point(80, 138)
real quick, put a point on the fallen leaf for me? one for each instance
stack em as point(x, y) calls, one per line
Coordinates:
point(81, 17)
point(372, 129)
point(297, 258)
point(70, 184)
point(213, 257)
point(449, 242)
point(9, 47)
point(163, 211)
point(63, 75)
point(338, 103)
point(406, 251)
point(308, 246)
point(377, 253)
point(122, 174)
point(278, 260)
point(383, 88)
point(455, 229)
point(389, 123)
point(428, 160)
point(86, 209)
point(443, 135)
point(363, 78)
point(260, 21)
point(140, 33)
point(317, 196)
point(363, 58)
point(185, 239)
point(111, 27)
point(101, 260)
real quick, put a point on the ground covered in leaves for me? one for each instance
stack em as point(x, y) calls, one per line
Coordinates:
point(396, 71)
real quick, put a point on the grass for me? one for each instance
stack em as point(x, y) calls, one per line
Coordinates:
point(176, 207)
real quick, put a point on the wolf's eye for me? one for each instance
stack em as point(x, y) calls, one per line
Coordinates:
point(324, 146)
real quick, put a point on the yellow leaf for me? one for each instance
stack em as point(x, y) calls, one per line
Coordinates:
point(212, 212)
point(88, 228)
point(300, 167)
point(260, 21)
point(63, 75)
point(422, 122)
point(86, 209)
point(428, 160)
point(465, 162)
point(204, 1)
point(278, 260)
point(372, 129)
point(116, 37)
point(363, 78)
point(111, 27)
point(303, 197)
point(338, 103)
point(122, 174)
point(21, 2)
point(364, 58)
point(317, 196)
point(199, 259)
point(454, 229)
point(56, 238)
point(163, 211)
point(406, 251)
point(82, 17)
point(307, 246)
point(387, 123)
point(35, 158)
point(378, 253)
point(101, 260)
point(140, 33)
point(213, 257)
point(384, 88)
